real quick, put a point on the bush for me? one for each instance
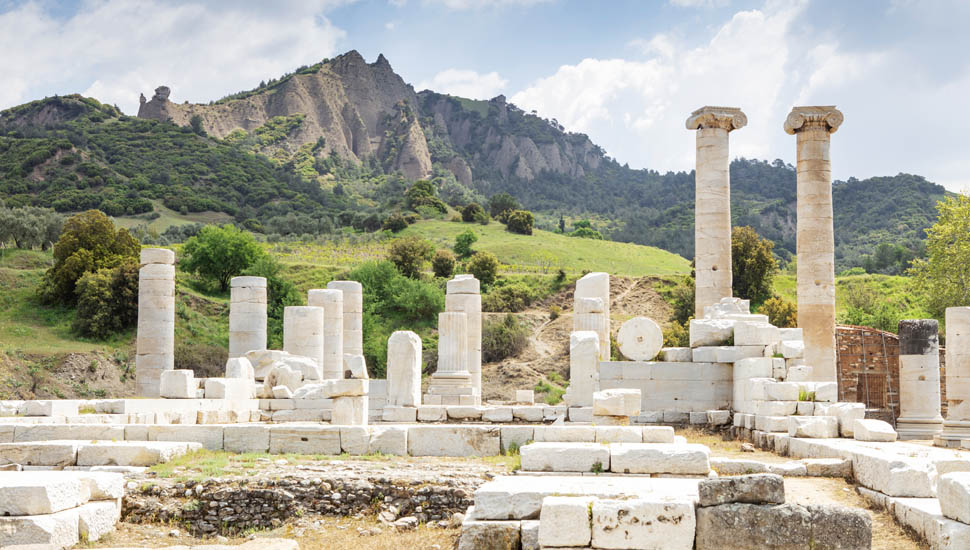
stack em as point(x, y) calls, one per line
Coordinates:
point(681, 298)
point(107, 301)
point(676, 335)
point(474, 213)
point(206, 361)
point(423, 193)
point(409, 254)
point(218, 254)
point(781, 312)
point(484, 266)
point(512, 297)
point(501, 338)
point(502, 203)
point(464, 242)
point(395, 222)
point(753, 265)
point(587, 233)
point(87, 244)
point(520, 221)
point(443, 263)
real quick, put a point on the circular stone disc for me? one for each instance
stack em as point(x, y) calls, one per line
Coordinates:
point(640, 339)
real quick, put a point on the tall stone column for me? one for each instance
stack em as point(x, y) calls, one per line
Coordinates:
point(303, 332)
point(957, 425)
point(594, 285)
point(247, 315)
point(353, 315)
point(712, 203)
point(155, 348)
point(919, 380)
point(451, 384)
point(464, 296)
point(332, 302)
point(815, 235)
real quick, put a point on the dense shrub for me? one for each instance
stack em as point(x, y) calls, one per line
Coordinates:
point(676, 335)
point(88, 242)
point(474, 213)
point(502, 203)
point(503, 337)
point(423, 193)
point(107, 301)
point(395, 222)
point(753, 265)
point(409, 254)
point(512, 297)
point(205, 360)
point(484, 266)
point(520, 221)
point(781, 312)
point(218, 254)
point(443, 263)
point(464, 242)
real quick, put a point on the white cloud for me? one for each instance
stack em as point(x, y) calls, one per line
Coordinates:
point(390, 25)
point(115, 49)
point(465, 83)
point(481, 4)
point(636, 109)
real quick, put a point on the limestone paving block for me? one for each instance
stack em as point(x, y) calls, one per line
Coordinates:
point(893, 475)
point(49, 408)
point(530, 534)
point(827, 392)
point(399, 414)
point(50, 432)
point(872, 430)
point(771, 424)
point(710, 332)
point(782, 391)
point(640, 339)
point(752, 367)
point(388, 440)
point(465, 413)
point(209, 436)
point(659, 458)
point(755, 334)
point(33, 493)
point(565, 434)
point(776, 408)
point(818, 427)
point(828, 467)
point(432, 413)
point(718, 418)
point(840, 527)
point(349, 411)
point(39, 453)
point(40, 532)
point(564, 522)
point(131, 453)
point(789, 334)
point(565, 457)
point(616, 402)
point(676, 355)
point(97, 519)
point(243, 438)
point(742, 526)
point(791, 349)
point(801, 373)
point(231, 389)
point(354, 440)
point(619, 434)
point(308, 439)
point(178, 384)
point(494, 535)
point(953, 491)
point(497, 414)
point(282, 392)
point(515, 436)
point(751, 489)
point(100, 485)
point(453, 441)
point(644, 523)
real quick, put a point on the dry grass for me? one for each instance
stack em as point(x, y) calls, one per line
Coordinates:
point(330, 534)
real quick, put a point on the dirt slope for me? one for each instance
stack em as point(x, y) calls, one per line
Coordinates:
point(548, 349)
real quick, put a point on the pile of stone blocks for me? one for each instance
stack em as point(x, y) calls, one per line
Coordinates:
point(749, 511)
point(615, 407)
point(348, 396)
point(58, 509)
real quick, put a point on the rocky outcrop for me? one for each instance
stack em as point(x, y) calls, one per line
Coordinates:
point(344, 101)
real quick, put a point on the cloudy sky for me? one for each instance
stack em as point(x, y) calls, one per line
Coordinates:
point(626, 72)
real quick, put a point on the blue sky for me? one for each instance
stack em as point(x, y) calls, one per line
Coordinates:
point(627, 73)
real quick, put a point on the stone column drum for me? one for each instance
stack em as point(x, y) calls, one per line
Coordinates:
point(332, 302)
point(247, 315)
point(303, 332)
point(584, 363)
point(919, 380)
point(712, 203)
point(353, 315)
point(594, 285)
point(957, 425)
point(464, 296)
point(156, 320)
point(404, 369)
point(452, 381)
point(815, 239)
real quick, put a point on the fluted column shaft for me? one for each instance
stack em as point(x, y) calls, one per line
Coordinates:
point(332, 302)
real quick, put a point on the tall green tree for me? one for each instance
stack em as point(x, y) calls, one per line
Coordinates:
point(944, 276)
point(218, 254)
point(409, 254)
point(88, 243)
point(502, 203)
point(753, 265)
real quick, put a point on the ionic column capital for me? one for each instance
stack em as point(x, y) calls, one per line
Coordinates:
point(826, 117)
point(727, 118)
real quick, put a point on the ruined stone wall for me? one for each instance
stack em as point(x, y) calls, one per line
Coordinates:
point(868, 368)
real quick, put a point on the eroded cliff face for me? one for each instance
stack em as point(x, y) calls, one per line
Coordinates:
point(344, 102)
point(365, 109)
